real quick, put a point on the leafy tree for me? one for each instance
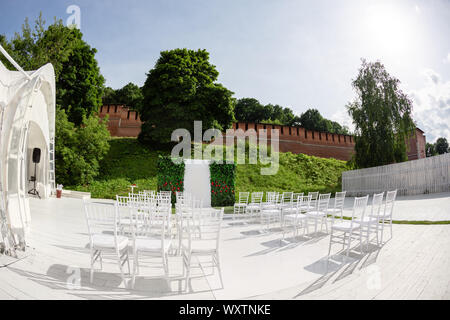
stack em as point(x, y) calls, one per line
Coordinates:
point(430, 150)
point(441, 146)
point(79, 149)
point(250, 110)
point(311, 119)
point(130, 95)
point(182, 88)
point(109, 96)
point(79, 84)
point(382, 117)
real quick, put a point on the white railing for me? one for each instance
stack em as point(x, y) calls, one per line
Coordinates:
point(428, 175)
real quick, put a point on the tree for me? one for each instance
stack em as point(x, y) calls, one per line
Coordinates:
point(130, 95)
point(430, 150)
point(182, 88)
point(382, 117)
point(311, 119)
point(79, 150)
point(79, 84)
point(441, 146)
point(250, 110)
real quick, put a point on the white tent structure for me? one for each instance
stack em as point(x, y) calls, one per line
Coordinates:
point(27, 121)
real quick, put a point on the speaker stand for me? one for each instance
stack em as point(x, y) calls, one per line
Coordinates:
point(34, 190)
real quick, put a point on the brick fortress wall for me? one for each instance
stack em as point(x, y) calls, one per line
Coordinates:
point(124, 122)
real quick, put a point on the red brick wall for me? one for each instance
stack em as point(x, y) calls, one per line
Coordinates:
point(124, 122)
point(300, 140)
point(416, 146)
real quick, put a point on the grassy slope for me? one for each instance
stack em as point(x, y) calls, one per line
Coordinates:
point(128, 162)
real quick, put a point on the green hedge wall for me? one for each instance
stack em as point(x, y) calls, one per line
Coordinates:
point(170, 176)
point(222, 184)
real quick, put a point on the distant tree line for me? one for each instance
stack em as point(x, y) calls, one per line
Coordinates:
point(439, 147)
point(251, 110)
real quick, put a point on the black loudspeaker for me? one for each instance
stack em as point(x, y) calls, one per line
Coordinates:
point(36, 155)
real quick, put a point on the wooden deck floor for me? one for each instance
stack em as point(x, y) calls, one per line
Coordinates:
point(414, 264)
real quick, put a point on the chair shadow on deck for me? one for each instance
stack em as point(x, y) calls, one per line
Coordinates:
point(329, 267)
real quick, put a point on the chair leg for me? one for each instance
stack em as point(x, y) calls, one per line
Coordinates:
point(360, 241)
point(188, 270)
point(135, 268)
point(219, 268)
point(348, 245)
point(382, 230)
point(119, 260)
point(92, 266)
point(390, 223)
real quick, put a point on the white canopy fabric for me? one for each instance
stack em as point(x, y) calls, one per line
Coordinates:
point(27, 121)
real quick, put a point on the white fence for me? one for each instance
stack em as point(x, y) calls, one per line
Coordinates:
point(428, 175)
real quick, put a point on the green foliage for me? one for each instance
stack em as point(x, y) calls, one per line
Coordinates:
point(430, 149)
point(382, 117)
point(79, 84)
point(79, 150)
point(311, 119)
point(181, 88)
point(441, 146)
point(170, 175)
point(127, 162)
point(222, 177)
point(251, 110)
point(130, 95)
point(297, 172)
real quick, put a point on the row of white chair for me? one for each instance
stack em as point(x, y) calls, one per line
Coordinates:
point(141, 223)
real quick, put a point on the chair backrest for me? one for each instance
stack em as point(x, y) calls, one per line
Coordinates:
point(314, 195)
point(339, 200)
point(359, 208)
point(210, 228)
point(377, 204)
point(390, 201)
point(323, 201)
point(101, 218)
point(296, 195)
point(257, 197)
point(272, 197)
point(287, 197)
point(243, 197)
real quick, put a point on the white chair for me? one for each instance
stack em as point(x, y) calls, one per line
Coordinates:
point(294, 218)
point(287, 198)
point(343, 232)
point(296, 195)
point(104, 237)
point(151, 236)
point(386, 215)
point(313, 204)
point(369, 223)
point(254, 207)
point(338, 208)
point(239, 207)
point(206, 245)
point(270, 212)
point(320, 213)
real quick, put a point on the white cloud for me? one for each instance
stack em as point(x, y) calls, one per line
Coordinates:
point(431, 106)
point(343, 118)
point(447, 58)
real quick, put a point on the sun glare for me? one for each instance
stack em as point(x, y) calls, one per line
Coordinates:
point(388, 27)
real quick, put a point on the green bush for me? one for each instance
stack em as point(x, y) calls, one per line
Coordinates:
point(170, 175)
point(222, 184)
point(79, 150)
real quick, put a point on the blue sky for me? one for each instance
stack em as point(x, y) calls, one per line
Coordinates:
point(299, 54)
